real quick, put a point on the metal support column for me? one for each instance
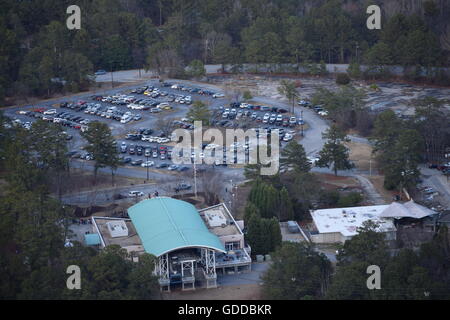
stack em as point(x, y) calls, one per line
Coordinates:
point(164, 279)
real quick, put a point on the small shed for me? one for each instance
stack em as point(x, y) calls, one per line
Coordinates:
point(293, 227)
point(92, 239)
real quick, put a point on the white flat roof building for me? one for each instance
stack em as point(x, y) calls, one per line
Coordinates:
point(117, 228)
point(339, 225)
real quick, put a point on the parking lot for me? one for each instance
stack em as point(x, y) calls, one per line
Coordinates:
point(142, 118)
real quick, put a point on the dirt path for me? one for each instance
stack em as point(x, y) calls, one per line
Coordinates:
point(370, 190)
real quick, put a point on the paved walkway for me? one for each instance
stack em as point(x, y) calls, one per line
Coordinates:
point(253, 277)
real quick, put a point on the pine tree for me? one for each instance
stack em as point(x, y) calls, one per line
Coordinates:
point(286, 208)
point(294, 155)
point(334, 152)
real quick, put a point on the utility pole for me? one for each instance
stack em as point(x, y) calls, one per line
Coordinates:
point(148, 173)
point(112, 76)
point(195, 177)
point(231, 198)
point(303, 133)
point(206, 50)
point(160, 13)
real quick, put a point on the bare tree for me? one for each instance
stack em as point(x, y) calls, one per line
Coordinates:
point(210, 182)
point(233, 93)
point(166, 62)
point(445, 40)
point(164, 125)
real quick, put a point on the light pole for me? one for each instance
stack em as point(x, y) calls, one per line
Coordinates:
point(357, 56)
point(147, 165)
point(303, 133)
point(195, 177)
point(112, 75)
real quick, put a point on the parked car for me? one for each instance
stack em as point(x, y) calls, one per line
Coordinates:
point(137, 162)
point(50, 112)
point(127, 160)
point(147, 164)
point(183, 186)
point(100, 72)
point(135, 194)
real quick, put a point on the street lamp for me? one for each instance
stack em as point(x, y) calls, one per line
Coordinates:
point(112, 75)
point(147, 165)
point(303, 133)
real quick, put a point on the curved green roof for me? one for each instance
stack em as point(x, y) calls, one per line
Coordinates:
point(166, 224)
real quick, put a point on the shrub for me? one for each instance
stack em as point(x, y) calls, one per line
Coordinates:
point(342, 79)
point(247, 95)
point(350, 200)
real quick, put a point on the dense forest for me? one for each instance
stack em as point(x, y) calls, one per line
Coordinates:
point(39, 55)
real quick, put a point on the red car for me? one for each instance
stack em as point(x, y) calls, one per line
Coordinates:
point(162, 150)
point(40, 110)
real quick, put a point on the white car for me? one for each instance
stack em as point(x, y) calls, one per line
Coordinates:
point(50, 112)
point(135, 194)
point(163, 140)
point(323, 113)
point(164, 104)
point(126, 119)
point(137, 107)
point(218, 95)
point(148, 138)
point(293, 121)
point(148, 164)
point(235, 146)
point(211, 146)
point(313, 160)
point(287, 137)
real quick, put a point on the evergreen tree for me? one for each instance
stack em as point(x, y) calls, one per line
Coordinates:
point(334, 152)
point(286, 209)
point(297, 272)
point(199, 112)
point(294, 156)
point(102, 145)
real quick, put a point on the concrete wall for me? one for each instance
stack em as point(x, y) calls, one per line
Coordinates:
point(287, 68)
point(233, 238)
point(333, 237)
point(336, 237)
